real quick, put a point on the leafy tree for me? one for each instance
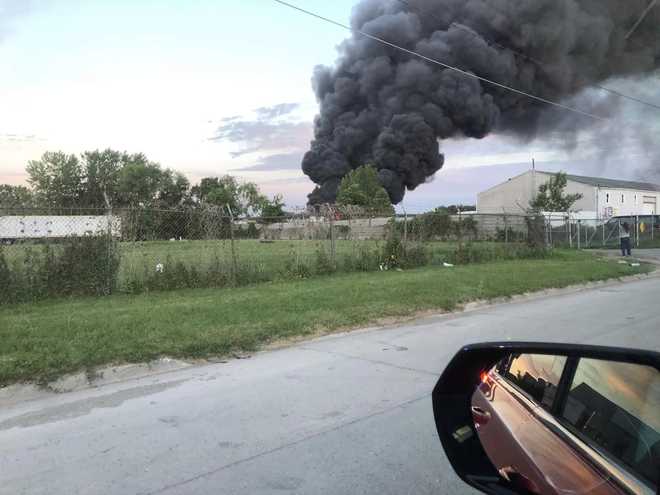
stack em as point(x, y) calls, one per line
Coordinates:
point(57, 179)
point(15, 196)
point(102, 170)
point(551, 196)
point(173, 190)
point(242, 198)
point(273, 210)
point(361, 187)
point(139, 181)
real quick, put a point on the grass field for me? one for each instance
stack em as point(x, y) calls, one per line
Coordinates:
point(139, 259)
point(39, 342)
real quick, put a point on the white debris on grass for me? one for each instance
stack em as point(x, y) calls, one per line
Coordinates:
point(160, 268)
point(448, 265)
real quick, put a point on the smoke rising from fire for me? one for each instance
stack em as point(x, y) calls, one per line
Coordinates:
point(384, 107)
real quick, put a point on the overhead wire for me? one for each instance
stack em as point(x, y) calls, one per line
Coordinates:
point(442, 64)
point(537, 62)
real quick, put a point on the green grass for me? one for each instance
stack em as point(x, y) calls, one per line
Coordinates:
point(39, 342)
point(139, 259)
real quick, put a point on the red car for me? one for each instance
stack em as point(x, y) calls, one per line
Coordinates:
point(559, 421)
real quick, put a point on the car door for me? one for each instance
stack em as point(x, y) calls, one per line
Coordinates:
point(508, 409)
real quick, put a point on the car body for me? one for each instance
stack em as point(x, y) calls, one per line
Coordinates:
point(523, 428)
point(546, 418)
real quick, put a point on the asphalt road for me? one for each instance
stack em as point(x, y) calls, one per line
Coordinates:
point(347, 414)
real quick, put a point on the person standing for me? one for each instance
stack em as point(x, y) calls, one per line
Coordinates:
point(624, 236)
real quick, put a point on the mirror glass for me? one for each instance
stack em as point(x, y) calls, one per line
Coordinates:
point(552, 424)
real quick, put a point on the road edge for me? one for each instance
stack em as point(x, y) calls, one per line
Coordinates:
point(15, 394)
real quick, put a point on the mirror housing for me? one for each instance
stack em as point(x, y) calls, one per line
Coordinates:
point(455, 415)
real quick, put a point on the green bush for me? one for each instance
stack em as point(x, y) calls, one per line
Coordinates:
point(295, 267)
point(6, 280)
point(435, 225)
point(397, 255)
point(415, 255)
point(81, 266)
point(324, 263)
point(483, 253)
point(364, 259)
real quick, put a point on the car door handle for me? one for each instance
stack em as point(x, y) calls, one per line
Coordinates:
point(480, 416)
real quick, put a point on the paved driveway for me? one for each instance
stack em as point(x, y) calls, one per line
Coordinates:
point(647, 254)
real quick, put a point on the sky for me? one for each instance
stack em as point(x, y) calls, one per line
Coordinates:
point(211, 87)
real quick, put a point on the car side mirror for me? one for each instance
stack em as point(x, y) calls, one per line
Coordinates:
point(530, 418)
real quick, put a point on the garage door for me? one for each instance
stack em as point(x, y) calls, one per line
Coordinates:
point(650, 205)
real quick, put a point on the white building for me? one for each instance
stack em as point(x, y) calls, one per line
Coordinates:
point(601, 198)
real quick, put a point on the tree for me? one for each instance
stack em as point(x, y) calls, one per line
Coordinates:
point(361, 187)
point(242, 198)
point(15, 196)
point(139, 181)
point(551, 196)
point(173, 190)
point(102, 170)
point(57, 179)
point(273, 210)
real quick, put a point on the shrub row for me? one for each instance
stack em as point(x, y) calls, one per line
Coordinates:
point(90, 266)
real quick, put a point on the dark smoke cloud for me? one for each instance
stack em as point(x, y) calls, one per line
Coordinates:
point(384, 107)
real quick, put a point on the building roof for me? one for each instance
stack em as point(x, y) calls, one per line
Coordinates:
point(611, 183)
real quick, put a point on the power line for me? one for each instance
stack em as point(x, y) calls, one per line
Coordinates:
point(442, 64)
point(539, 63)
point(642, 17)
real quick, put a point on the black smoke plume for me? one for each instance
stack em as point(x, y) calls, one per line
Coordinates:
point(384, 107)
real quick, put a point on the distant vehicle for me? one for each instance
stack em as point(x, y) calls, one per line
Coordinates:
point(552, 419)
point(33, 227)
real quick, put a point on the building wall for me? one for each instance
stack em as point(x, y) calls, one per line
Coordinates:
point(627, 202)
point(514, 196)
point(510, 197)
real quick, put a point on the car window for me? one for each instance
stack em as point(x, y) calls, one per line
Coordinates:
point(537, 375)
point(616, 408)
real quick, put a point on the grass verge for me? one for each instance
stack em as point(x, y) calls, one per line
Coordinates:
point(39, 342)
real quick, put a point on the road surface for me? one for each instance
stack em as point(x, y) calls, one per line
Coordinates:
point(347, 414)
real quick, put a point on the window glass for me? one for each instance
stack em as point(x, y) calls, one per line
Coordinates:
point(536, 374)
point(616, 407)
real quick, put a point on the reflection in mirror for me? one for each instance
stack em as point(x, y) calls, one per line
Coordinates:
point(616, 408)
point(552, 424)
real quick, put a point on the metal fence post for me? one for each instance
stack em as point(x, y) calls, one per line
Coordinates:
point(108, 281)
point(578, 233)
point(637, 229)
point(333, 249)
point(405, 229)
point(460, 230)
point(234, 260)
point(506, 230)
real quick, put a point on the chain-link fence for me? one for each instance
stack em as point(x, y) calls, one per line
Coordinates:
point(60, 252)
